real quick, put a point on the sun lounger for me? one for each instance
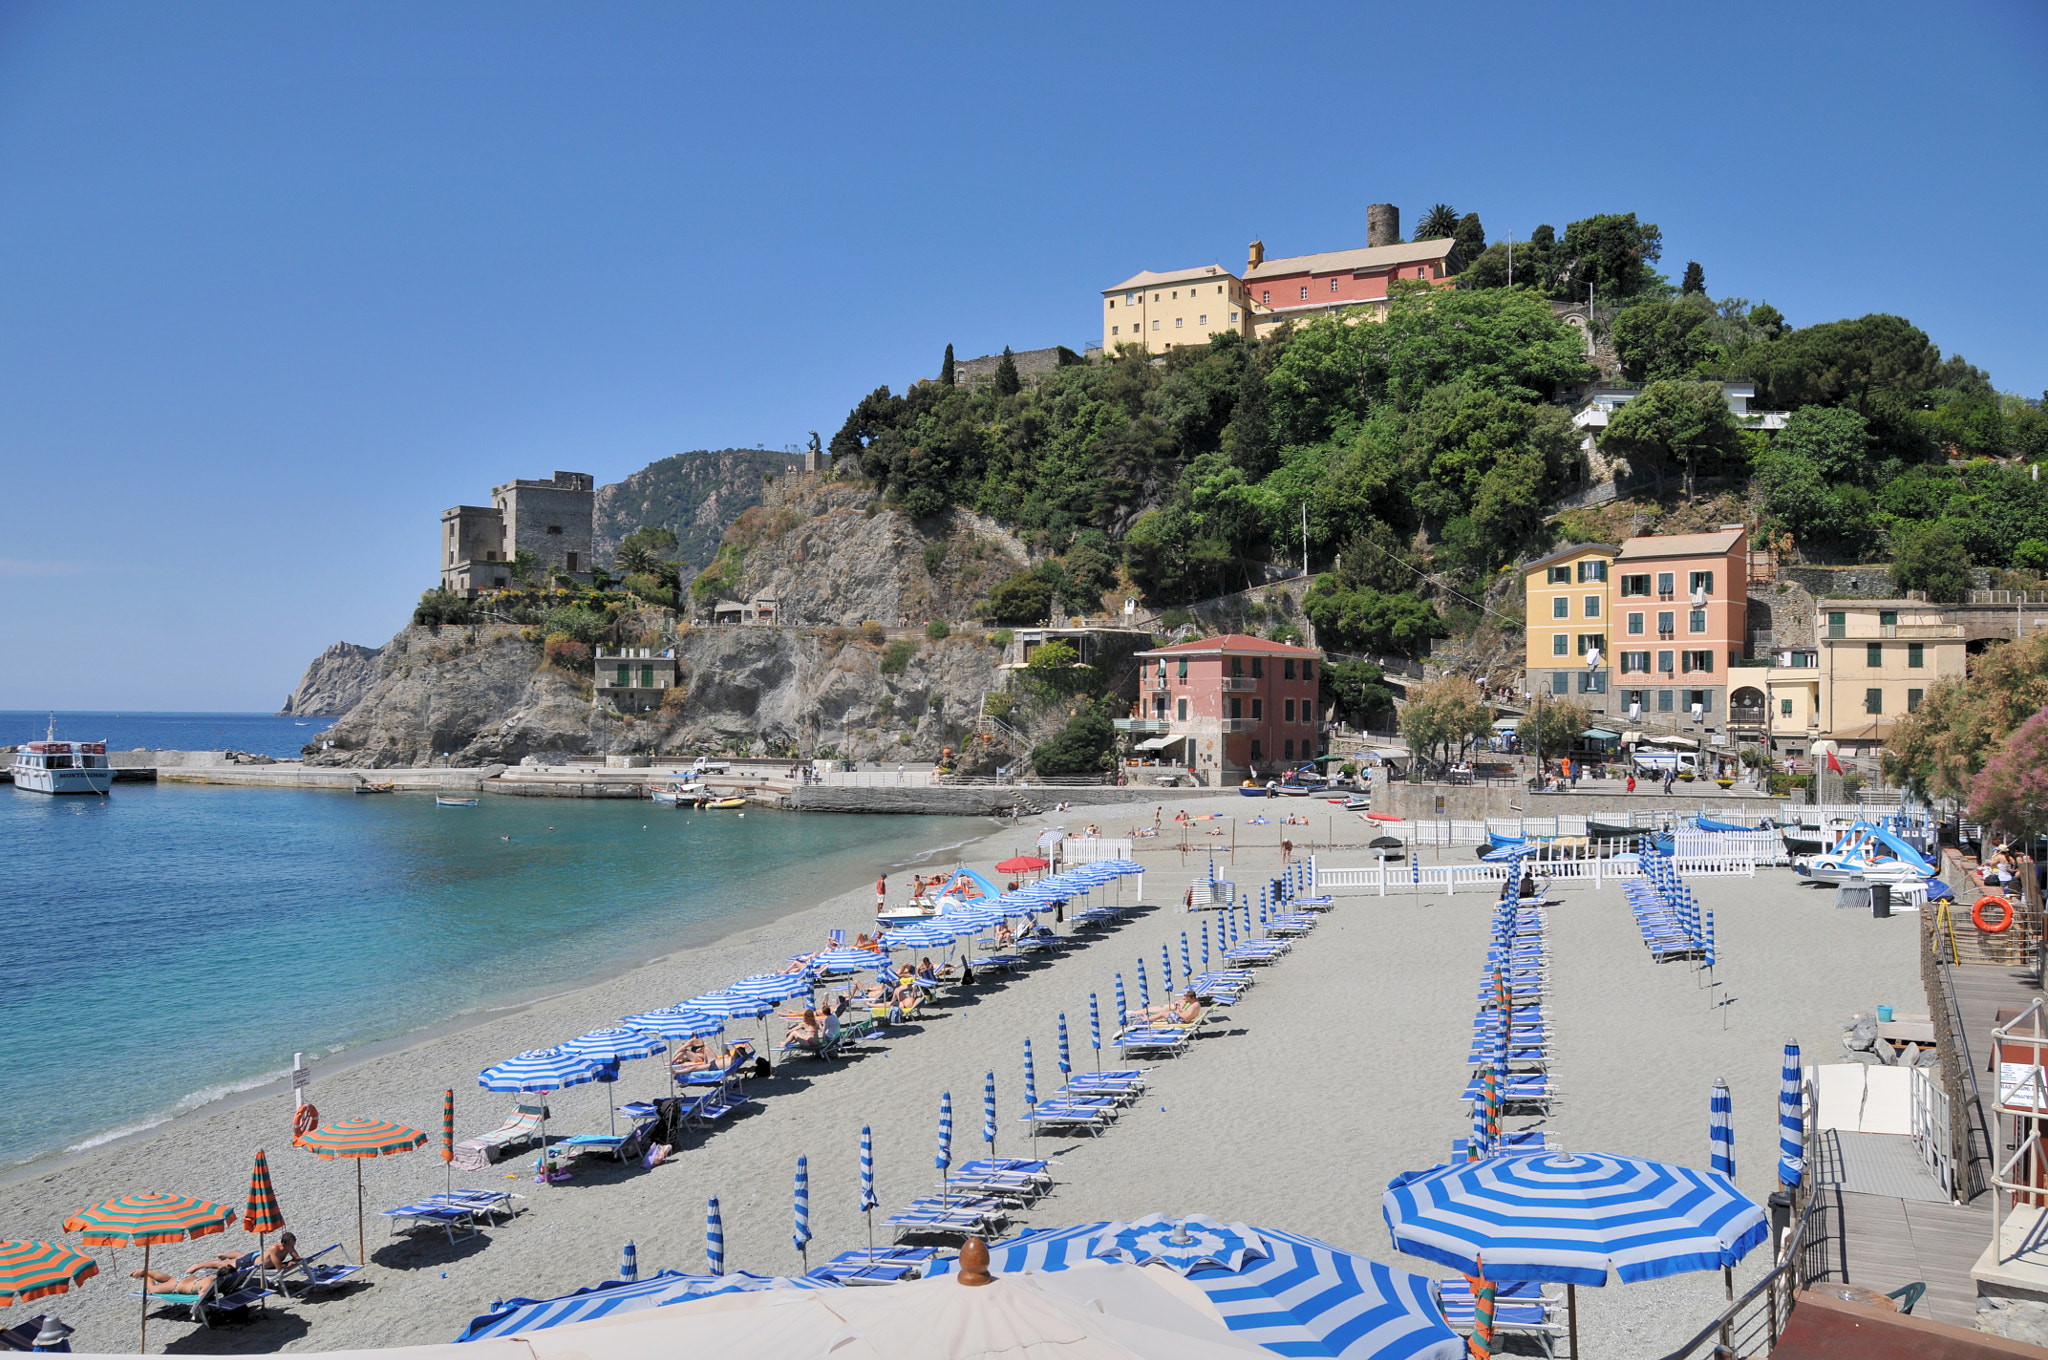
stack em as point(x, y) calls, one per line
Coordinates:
point(521, 1127)
point(1092, 1115)
point(996, 963)
point(950, 1215)
point(1169, 1040)
point(487, 1203)
point(450, 1218)
point(1004, 1185)
point(1122, 1085)
point(309, 1273)
point(1038, 1168)
point(883, 1265)
point(1511, 1140)
point(1521, 1090)
point(1523, 1307)
point(212, 1308)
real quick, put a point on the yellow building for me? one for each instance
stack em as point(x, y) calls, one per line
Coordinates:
point(1174, 309)
point(1870, 663)
point(1569, 607)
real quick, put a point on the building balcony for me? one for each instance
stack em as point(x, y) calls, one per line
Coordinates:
point(1242, 724)
point(1149, 726)
point(1242, 684)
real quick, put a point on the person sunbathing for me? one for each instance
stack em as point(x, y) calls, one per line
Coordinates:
point(693, 1056)
point(865, 941)
point(798, 964)
point(1003, 936)
point(281, 1253)
point(805, 1033)
point(1185, 1011)
point(200, 1280)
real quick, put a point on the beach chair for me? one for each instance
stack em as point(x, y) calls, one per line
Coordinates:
point(996, 963)
point(486, 1203)
point(1523, 1307)
point(1038, 1169)
point(1009, 1186)
point(233, 1292)
point(950, 1216)
point(521, 1127)
point(1122, 1085)
point(1511, 1140)
point(1165, 1040)
point(1521, 1092)
point(884, 1265)
point(309, 1273)
point(428, 1213)
point(593, 1144)
point(1078, 1113)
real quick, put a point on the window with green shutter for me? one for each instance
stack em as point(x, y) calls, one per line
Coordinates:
point(1873, 655)
point(1916, 655)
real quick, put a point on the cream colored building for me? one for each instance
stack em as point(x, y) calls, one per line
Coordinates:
point(1171, 310)
point(1871, 663)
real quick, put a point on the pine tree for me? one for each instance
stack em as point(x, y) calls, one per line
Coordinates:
point(946, 369)
point(1471, 241)
point(1695, 279)
point(1008, 384)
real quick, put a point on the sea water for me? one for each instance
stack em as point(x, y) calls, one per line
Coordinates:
point(169, 945)
point(265, 734)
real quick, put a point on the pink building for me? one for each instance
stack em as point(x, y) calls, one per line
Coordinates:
point(1228, 707)
point(1301, 287)
point(1680, 620)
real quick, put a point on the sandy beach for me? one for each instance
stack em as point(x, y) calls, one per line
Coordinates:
point(1339, 1069)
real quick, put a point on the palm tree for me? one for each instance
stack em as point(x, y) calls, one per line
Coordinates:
point(1437, 223)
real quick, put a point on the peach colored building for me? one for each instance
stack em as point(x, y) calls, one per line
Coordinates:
point(1302, 287)
point(1680, 611)
point(1229, 707)
point(1180, 307)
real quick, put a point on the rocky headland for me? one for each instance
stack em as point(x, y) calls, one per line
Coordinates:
point(335, 683)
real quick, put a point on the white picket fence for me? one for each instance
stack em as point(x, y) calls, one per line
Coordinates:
point(1567, 873)
point(1765, 847)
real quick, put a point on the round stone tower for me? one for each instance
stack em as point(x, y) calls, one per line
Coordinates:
point(1382, 224)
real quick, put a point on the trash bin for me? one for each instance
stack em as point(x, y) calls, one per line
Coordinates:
point(1880, 899)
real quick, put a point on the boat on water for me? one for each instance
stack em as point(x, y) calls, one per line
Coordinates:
point(453, 802)
point(386, 787)
point(725, 802)
point(680, 795)
point(52, 766)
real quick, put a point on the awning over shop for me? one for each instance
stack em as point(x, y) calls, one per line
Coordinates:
point(1159, 743)
point(1600, 734)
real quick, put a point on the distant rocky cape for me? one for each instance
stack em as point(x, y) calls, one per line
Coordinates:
point(336, 681)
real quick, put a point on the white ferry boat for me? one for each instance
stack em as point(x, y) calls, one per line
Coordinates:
point(53, 766)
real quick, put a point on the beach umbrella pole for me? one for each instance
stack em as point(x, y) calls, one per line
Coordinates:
point(1571, 1303)
point(361, 1257)
point(144, 1348)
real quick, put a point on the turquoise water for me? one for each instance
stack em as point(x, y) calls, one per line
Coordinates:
point(172, 944)
point(264, 733)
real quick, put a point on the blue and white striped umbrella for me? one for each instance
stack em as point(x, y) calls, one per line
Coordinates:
point(1708, 938)
point(1095, 1027)
point(1181, 1244)
point(1306, 1298)
point(1066, 1059)
point(1187, 962)
point(730, 1004)
point(924, 935)
point(1144, 992)
point(945, 1158)
point(714, 1238)
point(629, 1262)
point(539, 1069)
point(1791, 1119)
point(677, 1022)
point(867, 1169)
point(1165, 969)
point(1571, 1218)
point(614, 1298)
point(802, 1235)
point(1030, 1079)
point(1122, 1018)
point(773, 986)
point(1205, 944)
point(1721, 1131)
point(837, 961)
point(1477, 1146)
point(615, 1044)
point(988, 1113)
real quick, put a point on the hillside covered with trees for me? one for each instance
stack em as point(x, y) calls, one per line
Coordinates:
point(1422, 454)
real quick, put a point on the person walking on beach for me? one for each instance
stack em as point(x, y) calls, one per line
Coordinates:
point(882, 892)
point(1631, 783)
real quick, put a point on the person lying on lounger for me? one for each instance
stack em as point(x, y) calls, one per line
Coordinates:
point(1185, 1011)
point(200, 1280)
point(925, 971)
point(693, 1056)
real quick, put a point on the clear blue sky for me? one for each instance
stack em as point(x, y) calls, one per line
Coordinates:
point(280, 282)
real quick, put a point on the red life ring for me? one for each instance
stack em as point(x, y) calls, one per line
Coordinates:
point(2004, 923)
point(305, 1121)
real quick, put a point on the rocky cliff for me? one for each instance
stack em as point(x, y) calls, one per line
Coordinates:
point(484, 695)
point(832, 553)
point(337, 679)
point(693, 495)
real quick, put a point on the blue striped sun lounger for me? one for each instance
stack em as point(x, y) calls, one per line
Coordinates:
point(997, 963)
point(1521, 1089)
point(1120, 1084)
point(1521, 1307)
point(1514, 1140)
point(883, 1265)
point(1038, 1168)
point(1524, 1055)
point(1009, 1186)
point(950, 1215)
point(426, 1214)
point(1061, 1113)
point(598, 1144)
point(489, 1203)
point(1170, 1040)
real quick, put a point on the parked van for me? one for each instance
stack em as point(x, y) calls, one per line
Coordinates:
point(704, 765)
point(1654, 760)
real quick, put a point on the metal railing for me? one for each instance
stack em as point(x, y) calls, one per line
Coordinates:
point(1931, 1128)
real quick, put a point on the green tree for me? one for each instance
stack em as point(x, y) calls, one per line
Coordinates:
point(1834, 439)
point(1471, 241)
point(1083, 746)
point(1658, 339)
point(647, 551)
point(946, 368)
point(1248, 438)
point(1674, 425)
point(1938, 751)
point(1370, 620)
point(1845, 362)
point(1445, 716)
point(1551, 727)
point(1024, 598)
point(1008, 383)
point(526, 566)
point(896, 656)
point(1695, 279)
point(1439, 222)
point(1613, 253)
point(1359, 689)
point(1933, 560)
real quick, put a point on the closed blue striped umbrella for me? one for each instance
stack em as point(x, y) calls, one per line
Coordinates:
point(1030, 1079)
point(1477, 1146)
point(945, 1158)
point(1095, 1029)
point(1165, 969)
point(1122, 1019)
point(714, 1239)
point(1301, 1297)
point(1187, 962)
point(1708, 938)
point(867, 1169)
point(988, 1112)
point(1144, 991)
point(1066, 1060)
point(629, 1262)
point(1205, 944)
point(1571, 1218)
point(1721, 1131)
point(1791, 1119)
point(802, 1234)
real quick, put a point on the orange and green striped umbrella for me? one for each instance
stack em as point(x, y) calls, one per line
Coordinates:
point(148, 1220)
point(448, 1126)
point(34, 1270)
point(261, 1214)
point(361, 1138)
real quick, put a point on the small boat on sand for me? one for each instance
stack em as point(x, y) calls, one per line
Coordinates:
point(454, 802)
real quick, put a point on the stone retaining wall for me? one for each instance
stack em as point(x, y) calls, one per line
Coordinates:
point(1469, 802)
